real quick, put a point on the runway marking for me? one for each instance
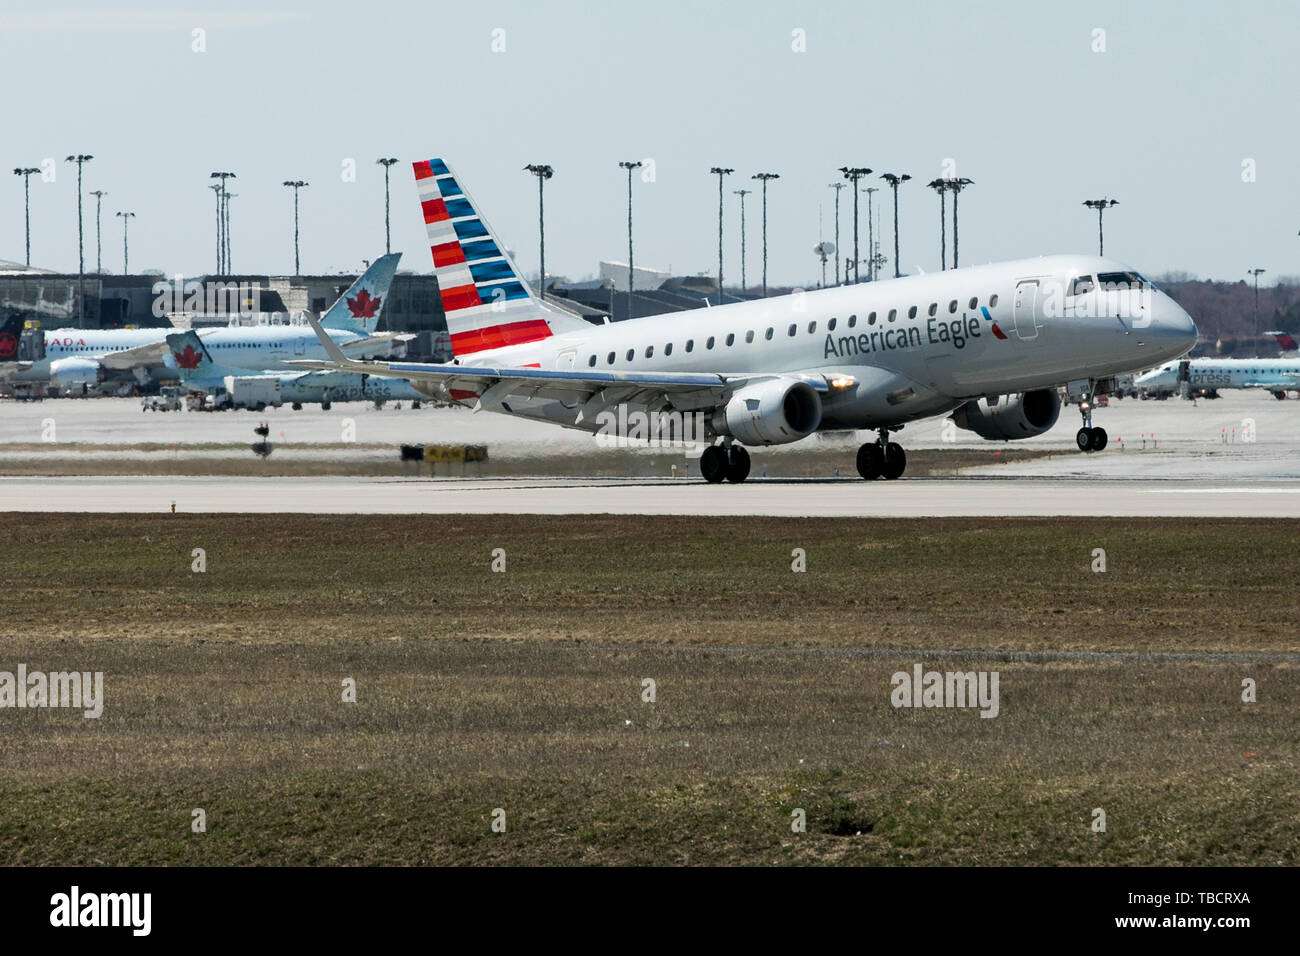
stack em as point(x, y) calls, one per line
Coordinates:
point(1221, 491)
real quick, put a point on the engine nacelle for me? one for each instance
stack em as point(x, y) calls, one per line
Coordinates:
point(1023, 415)
point(773, 412)
point(71, 373)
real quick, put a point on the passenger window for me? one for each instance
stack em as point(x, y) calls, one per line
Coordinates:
point(649, 351)
point(993, 301)
point(611, 358)
point(731, 339)
point(793, 328)
point(749, 336)
point(592, 361)
point(830, 326)
point(974, 302)
point(668, 349)
point(853, 321)
point(871, 319)
point(934, 309)
point(952, 307)
point(893, 314)
point(690, 345)
point(709, 343)
point(911, 313)
point(631, 354)
point(1082, 286)
point(812, 326)
point(768, 334)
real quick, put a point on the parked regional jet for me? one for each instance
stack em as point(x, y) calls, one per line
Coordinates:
point(988, 345)
point(199, 373)
point(83, 358)
point(1206, 376)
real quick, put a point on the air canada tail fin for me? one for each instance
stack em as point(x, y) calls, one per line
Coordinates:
point(192, 357)
point(1285, 341)
point(486, 300)
point(11, 331)
point(358, 309)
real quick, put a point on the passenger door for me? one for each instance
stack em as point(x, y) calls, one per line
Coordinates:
point(1023, 309)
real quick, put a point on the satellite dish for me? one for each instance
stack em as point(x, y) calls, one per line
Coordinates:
point(824, 249)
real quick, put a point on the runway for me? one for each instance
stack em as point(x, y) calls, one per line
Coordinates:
point(920, 497)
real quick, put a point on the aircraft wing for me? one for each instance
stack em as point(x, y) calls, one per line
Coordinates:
point(142, 356)
point(374, 341)
point(592, 390)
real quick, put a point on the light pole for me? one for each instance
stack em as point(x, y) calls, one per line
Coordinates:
point(27, 172)
point(956, 185)
point(1101, 205)
point(853, 174)
point(99, 195)
point(720, 172)
point(295, 185)
point(1256, 273)
point(126, 220)
point(894, 179)
point(225, 198)
point(629, 165)
point(223, 266)
point(742, 193)
point(216, 192)
point(941, 186)
point(80, 159)
point(764, 178)
point(871, 234)
point(388, 243)
point(542, 173)
point(837, 187)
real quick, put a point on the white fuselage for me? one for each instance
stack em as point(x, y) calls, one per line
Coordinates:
point(915, 346)
point(1278, 375)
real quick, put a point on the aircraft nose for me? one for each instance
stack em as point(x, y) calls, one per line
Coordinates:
point(1174, 327)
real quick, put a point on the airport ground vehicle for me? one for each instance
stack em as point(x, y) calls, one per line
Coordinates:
point(168, 399)
point(253, 391)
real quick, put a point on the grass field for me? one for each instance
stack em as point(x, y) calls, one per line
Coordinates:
point(522, 690)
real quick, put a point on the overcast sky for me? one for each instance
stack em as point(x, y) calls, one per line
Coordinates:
point(1015, 94)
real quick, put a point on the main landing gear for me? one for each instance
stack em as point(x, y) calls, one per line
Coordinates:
point(1089, 438)
point(881, 458)
point(726, 462)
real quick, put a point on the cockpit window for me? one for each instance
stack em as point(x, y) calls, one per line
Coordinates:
point(1121, 280)
point(1082, 285)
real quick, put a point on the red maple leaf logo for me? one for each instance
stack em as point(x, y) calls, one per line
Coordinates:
point(189, 359)
point(363, 306)
point(8, 345)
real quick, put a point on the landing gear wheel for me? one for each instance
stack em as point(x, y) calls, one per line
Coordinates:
point(713, 464)
point(895, 461)
point(738, 466)
point(324, 406)
point(1098, 439)
point(870, 461)
point(1083, 438)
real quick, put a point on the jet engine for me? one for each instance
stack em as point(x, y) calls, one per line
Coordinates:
point(771, 412)
point(1007, 417)
point(74, 373)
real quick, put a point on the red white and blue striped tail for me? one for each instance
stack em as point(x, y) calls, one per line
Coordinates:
point(487, 303)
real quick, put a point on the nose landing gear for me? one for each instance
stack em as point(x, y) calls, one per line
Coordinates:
point(1088, 438)
point(881, 458)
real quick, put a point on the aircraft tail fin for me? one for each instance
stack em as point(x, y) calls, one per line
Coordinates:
point(10, 332)
point(486, 300)
point(359, 308)
point(1285, 341)
point(193, 360)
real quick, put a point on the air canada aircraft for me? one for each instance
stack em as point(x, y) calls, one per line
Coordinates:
point(1206, 376)
point(989, 345)
point(85, 358)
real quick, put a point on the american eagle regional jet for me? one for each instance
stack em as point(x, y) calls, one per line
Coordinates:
point(988, 345)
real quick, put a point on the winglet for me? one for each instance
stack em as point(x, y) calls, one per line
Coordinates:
point(331, 347)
